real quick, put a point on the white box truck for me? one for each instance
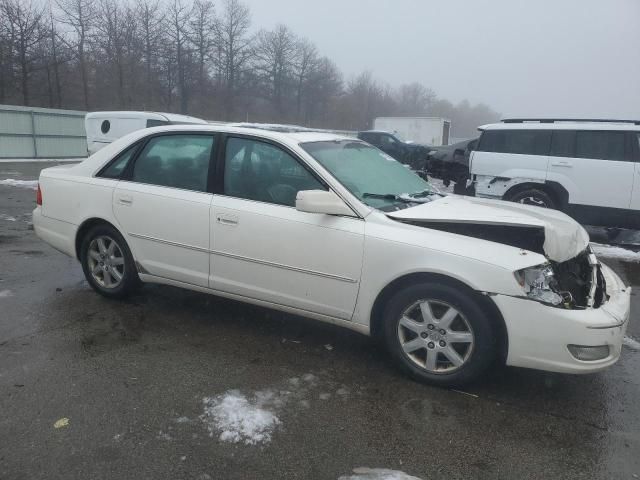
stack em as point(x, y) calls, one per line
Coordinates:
point(424, 130)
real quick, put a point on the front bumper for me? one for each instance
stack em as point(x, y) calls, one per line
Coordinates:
point(539, 335)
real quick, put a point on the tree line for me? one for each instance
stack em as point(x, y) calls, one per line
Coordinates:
point(196, 57)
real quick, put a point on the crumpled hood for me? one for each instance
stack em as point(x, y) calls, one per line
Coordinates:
point(564, 237)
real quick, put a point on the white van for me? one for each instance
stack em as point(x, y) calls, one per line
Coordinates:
point(104, 127)
point(588, 169)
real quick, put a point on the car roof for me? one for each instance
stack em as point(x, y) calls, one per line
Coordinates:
point(626, 125)
point(295, 137)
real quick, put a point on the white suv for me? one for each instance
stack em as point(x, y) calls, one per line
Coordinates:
point(586, 168)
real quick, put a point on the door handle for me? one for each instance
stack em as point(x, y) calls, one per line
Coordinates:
point(125, 200)
point(562, 164)
point(227, 220)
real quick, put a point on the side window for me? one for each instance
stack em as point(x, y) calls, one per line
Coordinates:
point(562, 143)
point(115, 169)
point(259, 171)
point(388, 140)
point(600, 145)
point(372, 138)
point(525, 142)
point(178, 161)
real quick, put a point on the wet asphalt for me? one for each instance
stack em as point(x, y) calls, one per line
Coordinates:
point(130, 377)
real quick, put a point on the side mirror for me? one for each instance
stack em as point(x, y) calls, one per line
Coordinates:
point(321, 201)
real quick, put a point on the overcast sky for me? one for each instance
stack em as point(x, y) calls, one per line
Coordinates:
point(522, 57)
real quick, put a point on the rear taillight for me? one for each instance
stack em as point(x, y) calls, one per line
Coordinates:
point(39, 196)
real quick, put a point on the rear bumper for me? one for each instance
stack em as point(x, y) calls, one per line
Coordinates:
point(60, 235)
point(539, 335)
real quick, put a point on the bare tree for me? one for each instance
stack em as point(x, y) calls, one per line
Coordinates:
point(324, 95)
point(6, 54)
point(150, 19)
point(24, 21)
point(304, 63)
point(275, 53)
point(234, 47)
point(177, 24)
point(414, 99)
point(54, 58)
point(181, 56)
point(202, 32)
point(80, 15)
point(114, 33)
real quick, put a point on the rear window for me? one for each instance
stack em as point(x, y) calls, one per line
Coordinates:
point(524, 142)
point(600, 145)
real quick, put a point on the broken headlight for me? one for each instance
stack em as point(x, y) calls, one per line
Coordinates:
point(539, 283)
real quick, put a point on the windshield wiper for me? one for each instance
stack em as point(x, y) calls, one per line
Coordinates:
point(427, 192)
point(388, 196)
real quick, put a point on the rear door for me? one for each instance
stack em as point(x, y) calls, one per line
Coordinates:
point(595, 167)
point(517, 153)
point(162, 205)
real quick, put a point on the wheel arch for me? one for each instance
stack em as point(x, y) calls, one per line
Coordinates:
point(87, 225)
point(485, 301)
point(557, 192)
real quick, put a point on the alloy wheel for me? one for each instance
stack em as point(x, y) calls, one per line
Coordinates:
point(106, 262)
point(435, 336)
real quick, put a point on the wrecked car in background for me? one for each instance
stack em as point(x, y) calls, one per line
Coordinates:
point(331, 228)
point(585, 168)
point(450, 163)
point(413, 155)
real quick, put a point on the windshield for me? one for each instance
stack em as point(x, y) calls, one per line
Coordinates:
point(370, 174)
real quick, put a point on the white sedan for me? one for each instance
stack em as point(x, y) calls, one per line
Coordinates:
point(330, 228)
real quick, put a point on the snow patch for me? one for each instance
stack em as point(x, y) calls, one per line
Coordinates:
point(6, 293)
point(6, 217)
point(238, 419)
point(618, 253)
point(252, 419)
point(363, 473)
point(631, 343)
point(32, 184)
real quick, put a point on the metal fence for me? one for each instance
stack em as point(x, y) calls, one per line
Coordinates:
point(29, 132)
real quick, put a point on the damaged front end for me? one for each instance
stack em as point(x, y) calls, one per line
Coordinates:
point(577, 283)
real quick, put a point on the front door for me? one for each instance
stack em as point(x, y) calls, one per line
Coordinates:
point(163, 207)
point(264, 248)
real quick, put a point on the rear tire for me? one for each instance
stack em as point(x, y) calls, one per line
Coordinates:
point(533, 196)
point(449, 342)
point(107, 262)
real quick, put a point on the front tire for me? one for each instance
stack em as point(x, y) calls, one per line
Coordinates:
point(107, 262)
point(439, 334)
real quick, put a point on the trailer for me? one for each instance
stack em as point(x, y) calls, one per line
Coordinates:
point(424, 130)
